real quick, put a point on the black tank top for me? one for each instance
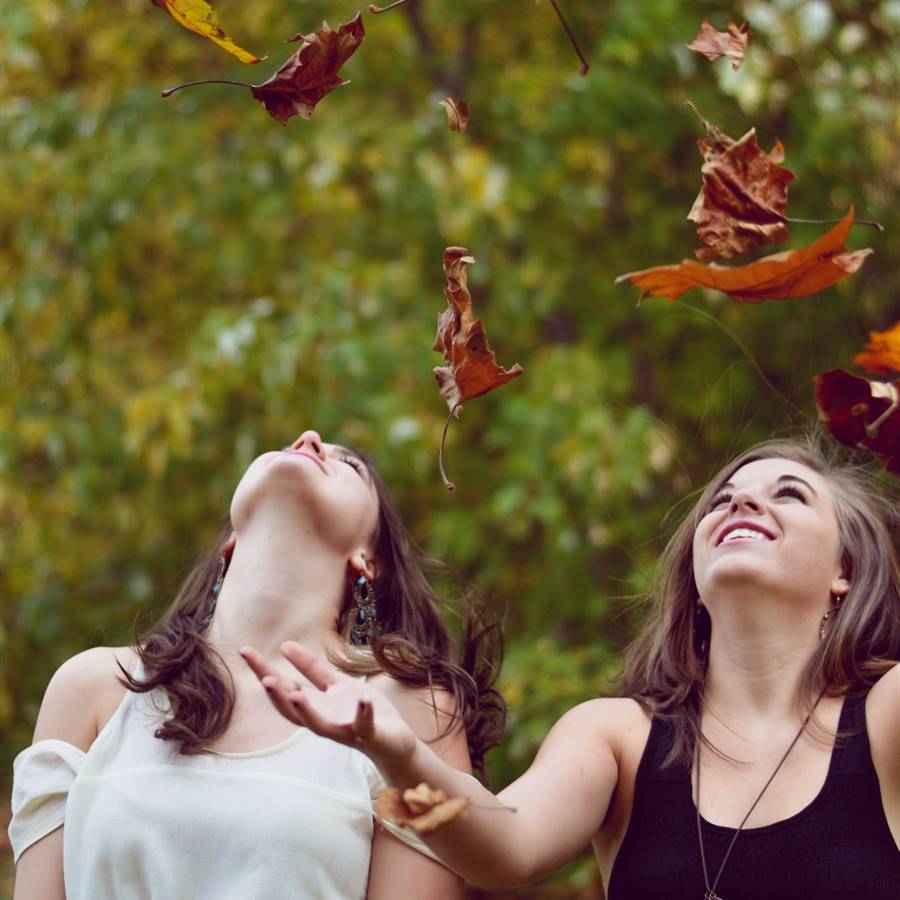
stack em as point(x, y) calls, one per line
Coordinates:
point(839, 847)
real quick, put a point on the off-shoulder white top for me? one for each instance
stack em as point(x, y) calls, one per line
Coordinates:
point(145, 823)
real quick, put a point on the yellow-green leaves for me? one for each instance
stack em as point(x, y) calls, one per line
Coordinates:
point(198, 16)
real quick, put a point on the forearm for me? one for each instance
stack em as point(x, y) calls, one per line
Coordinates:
point(487, 844)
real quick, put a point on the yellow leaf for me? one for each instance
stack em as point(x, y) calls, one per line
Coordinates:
point(198, 16)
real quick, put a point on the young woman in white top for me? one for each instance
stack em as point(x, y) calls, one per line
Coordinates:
point(776, 625)
point(161, 771)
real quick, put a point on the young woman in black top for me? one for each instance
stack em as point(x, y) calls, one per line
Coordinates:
point(754, 751)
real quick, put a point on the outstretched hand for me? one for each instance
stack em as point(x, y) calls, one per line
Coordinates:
point(336, 705)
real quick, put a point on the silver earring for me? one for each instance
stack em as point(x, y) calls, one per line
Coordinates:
point(214, 593)
point(827, 616)
point(365, 617)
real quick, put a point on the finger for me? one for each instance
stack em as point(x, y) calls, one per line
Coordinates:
point(315, 669)
point(260, 666)
point(277, 693)
point(312, 719)
point(364, 724)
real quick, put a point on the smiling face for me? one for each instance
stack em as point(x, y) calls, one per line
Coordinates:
point(325, 487)
point(772, 527)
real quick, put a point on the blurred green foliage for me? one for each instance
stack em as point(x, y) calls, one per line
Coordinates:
point(186, 283)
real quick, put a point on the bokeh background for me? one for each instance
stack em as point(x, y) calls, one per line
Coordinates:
point(187, 283)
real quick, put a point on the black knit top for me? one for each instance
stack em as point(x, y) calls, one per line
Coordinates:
point(839, 847)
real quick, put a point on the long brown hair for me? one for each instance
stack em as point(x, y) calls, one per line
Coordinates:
point(665, 667)
point(414, 646)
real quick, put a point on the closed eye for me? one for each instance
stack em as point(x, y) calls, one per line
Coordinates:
point(788, 491)
point(353, 462)
point(717, 501)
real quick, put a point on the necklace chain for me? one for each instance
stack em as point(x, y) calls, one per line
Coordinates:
point(711, 890)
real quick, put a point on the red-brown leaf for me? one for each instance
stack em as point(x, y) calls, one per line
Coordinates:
point(422, 809)
point(881, 355)
point(712, 44)
point(471, 368)
point(862, 413)
point(311, 72)
point(744, 195)
point(782, 276)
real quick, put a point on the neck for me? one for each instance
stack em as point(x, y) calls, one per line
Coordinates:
point(279, 586)
point(758, 653)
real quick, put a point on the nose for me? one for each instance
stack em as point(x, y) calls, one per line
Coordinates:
point(311, 442)
point(743, 498)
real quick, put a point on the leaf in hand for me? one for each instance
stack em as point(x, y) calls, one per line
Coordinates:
point(471, 368)
point(311, 72)
point(744, 195)
point(862, 413)
point(881, 355)
point(457, 113)
point(712, 44)
point(198, 16)
point(422, 809)
point(782, 276)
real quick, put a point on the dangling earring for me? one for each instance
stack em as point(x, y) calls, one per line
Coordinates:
point(702, 632)
point(827, 616)
point(214, 593)
point(365, 623)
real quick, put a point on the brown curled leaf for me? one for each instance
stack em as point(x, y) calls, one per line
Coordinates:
point(198, 16)
point(781, 276)
point(423, 809)
point(457, 113)
point(311, 72)
point(862, 413)
point(713, 44)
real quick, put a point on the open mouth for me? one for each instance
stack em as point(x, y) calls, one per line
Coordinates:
point(741, 533)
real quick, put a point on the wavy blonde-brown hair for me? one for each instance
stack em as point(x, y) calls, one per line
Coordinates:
point(665, 667)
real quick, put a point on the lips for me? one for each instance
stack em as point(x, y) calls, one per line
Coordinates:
point(315, 459)
point(750, 531)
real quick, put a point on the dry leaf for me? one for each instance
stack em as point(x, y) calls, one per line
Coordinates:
point(471, 368)
point(423, 809)
point(198, 16)
point(712, 44)
point(311, 72)
point(862, 413)
point(744, 195)
point(881, 355)
point(782, 276)
point(457, 113)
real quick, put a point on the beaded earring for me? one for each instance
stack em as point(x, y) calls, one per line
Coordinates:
point(214, 593)
point(365, 621)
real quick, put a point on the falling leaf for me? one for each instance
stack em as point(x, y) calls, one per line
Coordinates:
point(311, 72)
point(712, 44)
point(198, 16)
point(744, 195)
point(881, 355)
point(422, 809)
point(471, 368)
point(862, 413)
point(457, 113)
point(782, 276)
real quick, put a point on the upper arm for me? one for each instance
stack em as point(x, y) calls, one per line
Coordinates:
point(564, 795)
point(883, 726)
point(398, 872)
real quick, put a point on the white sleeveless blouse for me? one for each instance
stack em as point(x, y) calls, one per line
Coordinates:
point(143, 822)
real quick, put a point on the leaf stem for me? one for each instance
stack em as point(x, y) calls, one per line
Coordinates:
point(447, 482)
point(585, 65)
point(876, 225)
point(178, 87)
point(380, 9)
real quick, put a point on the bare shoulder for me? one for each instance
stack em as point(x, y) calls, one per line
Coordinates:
point(428, 712)
point(883, 717)
point(80, 694)
point(620, 723)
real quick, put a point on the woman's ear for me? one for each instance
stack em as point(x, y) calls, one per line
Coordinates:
point(840, 587)
point(362, 563)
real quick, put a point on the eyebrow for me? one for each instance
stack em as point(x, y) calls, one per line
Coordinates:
point(780, 480)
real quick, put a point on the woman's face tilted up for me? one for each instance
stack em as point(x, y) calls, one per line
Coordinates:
point(323, 487)
point(771, 528)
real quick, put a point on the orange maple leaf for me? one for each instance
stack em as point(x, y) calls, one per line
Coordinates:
point(311, 72)
point(881, 355)
point(712, 44)
point(781, 276)
point(198, 16)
